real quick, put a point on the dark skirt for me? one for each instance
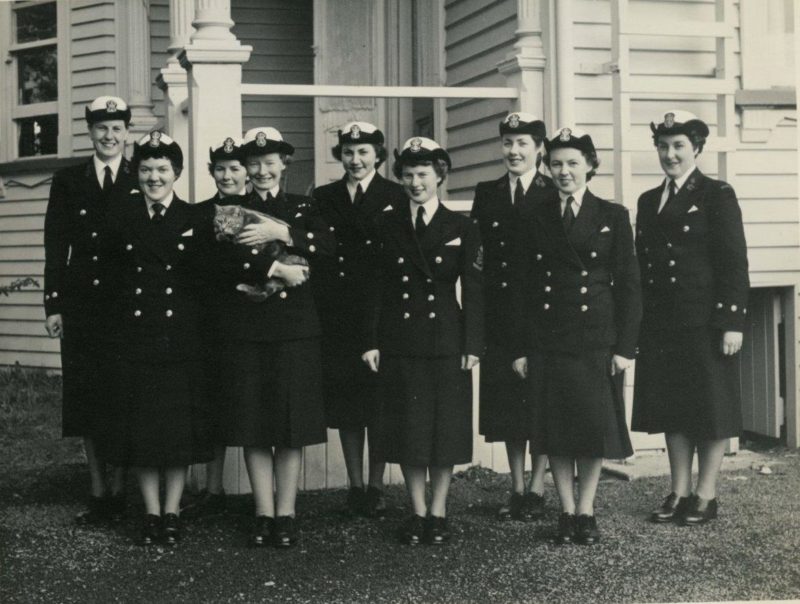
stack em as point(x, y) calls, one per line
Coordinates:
point(349, 386)
point(85, 378)
point(579, 409)
point(159, 415)
point(684, 384)
point(273, 394)
point(425, 412)
point(505, 408)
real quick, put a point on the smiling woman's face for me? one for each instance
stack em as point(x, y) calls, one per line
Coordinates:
point(265, 171)
point(676, 154)
point(420, 182)
point(156, 177)
point(569, 169)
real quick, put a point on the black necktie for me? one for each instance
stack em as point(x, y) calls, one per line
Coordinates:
point(569, 216)
point(519, 194)
point(419, 223)
point(108, 181)
point(359, 196)
point(673, 190)
point(158, 212)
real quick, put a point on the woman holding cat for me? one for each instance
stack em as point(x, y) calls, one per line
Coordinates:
point(350, 205)
point(423, 343)
point(271, 369)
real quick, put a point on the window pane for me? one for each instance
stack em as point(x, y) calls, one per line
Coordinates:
point(38, 75)
point(36, 22)
point(38, 135)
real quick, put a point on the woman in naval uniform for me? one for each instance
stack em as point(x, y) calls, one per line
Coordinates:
point(226, 166)
point(423, 343)
point(77, 289)
point(159, 412)
point(350, 206)
point(693, 258)
point(271, 368)
point(583, 304)
point(505, 411)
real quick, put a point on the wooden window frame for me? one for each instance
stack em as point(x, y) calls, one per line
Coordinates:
point(10, 110)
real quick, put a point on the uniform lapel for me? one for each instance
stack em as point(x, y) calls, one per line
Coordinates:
point(586, 222)
point(549, 215)
point(684, 198)
point(407, 239)
point(93, 189)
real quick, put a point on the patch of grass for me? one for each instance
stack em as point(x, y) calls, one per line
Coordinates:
point(30, 399)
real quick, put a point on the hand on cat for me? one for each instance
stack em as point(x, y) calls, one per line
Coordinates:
point(291, 274)
point(263, 232)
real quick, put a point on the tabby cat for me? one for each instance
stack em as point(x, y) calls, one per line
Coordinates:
point(229, 222)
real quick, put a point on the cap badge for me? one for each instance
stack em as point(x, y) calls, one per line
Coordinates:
point(669, 120)
point(415, 145)
point(513, 120)
point(111, 106)
point(227, 146)
point(355, 132)
point(155, 138)
point(565, 134)
point(261, 139)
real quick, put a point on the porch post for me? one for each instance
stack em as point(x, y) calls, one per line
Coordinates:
point(524, 66)
point(174, 81)
point(213, 61)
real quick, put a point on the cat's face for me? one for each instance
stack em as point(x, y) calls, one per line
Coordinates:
point(228, 221)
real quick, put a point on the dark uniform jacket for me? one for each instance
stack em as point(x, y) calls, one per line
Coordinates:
point(75, 273)
point(340, 280)
point(415, 311)
point(159, 270)
point(290, 314)
point(500, 221)
point(582, 291)
point(693, 257)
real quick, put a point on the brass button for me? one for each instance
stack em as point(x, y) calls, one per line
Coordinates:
point(82, 212)
point(584, 290)
point(96, 282)
point(312, 248)
point(169, 313)
point(168, 291)
point(137, 313)
point(406, 315)
point(246, 265)
point(283, 295)
point(438, 259)
point(584, 308)
point(432, 315)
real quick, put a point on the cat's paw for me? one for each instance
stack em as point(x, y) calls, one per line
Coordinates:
point(273, 286)
point(254, 294)
point(292, 259)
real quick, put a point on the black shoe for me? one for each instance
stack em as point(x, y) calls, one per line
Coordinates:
point(355, 501)
point(172, 529)
point(413, 530)
point(566, 528)
point(513, 510)
point(671, 510)
point(115, 504)
point(96, 512)
point(374, 503)
point(150, 532)
point(532, 506)
point(436, 531)
point(285, 532)
point(586, 532)
point(263, 528)
point(206, 504)
point(699, 511)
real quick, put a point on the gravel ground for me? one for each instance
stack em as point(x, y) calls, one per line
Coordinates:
point(750, 552)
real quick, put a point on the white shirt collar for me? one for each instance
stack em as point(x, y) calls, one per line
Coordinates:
point(526, 179)
point(364, 182)
point(679, 182)
point(273, 191)
point(577, 196)
point(430, 209)
point(100, 168)
point(164, 202)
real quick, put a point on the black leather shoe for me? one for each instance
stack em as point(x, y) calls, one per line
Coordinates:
point(374, 503)
point(115, 505)
point(356, 501)
point(261, 534)
point(566, 528)
point(150, 532)
point(672, 508)
point(285, 532)
point(532, 506)
point(413, 530)
point(436, 531)
point(172, 529)
point(513, 510)
point(96, 511)
point(586, 532)
point(206, 504)
point(699, 511)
